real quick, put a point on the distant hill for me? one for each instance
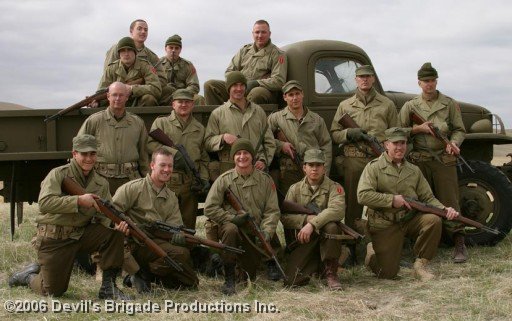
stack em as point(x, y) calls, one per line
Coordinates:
point(11, 106)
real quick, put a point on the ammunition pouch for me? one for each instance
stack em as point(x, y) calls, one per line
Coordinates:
point(379, 220)
point(287, 165)
point(56, 232)
point(125, 170)
point(361, 151)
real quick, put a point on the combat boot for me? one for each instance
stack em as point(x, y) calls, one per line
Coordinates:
point(141, 281)
point(229, 279)
point(421, 271)
point(24, 276)
point(331, 274)
point(273, 273)
point(460, 253)
point(109, 289)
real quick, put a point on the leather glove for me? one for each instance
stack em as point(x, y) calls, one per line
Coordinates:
point(355, 134)
point(240, 219)
point(179, 239)
point(251, 84)
point(179, 162)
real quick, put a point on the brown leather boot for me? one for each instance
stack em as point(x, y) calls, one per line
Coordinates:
point(229, 279)
point(331, 274)
point(420, 270)
point(460, 253)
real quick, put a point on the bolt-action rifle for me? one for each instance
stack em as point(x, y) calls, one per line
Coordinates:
point(297, 159)
point(348, 122)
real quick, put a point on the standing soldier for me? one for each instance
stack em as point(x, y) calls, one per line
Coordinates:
point(261, 62)
point(122, 137)
point(373, 113)
point(437, 161)
point(180, 73)
point(257, 193)
point(184, 129)
point(313, 247)
point(302, 129)
point(146, 200)
point(69, 224)
point(384, 184)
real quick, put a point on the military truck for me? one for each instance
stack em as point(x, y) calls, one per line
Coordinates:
point(30, 147)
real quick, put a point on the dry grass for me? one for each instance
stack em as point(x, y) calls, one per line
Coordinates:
point(478, 290)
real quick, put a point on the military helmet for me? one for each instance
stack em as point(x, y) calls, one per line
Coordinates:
point(126, 42)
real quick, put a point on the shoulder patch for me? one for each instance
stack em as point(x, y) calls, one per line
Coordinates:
point(281, 59)
point(192, 69)
point(339, 189)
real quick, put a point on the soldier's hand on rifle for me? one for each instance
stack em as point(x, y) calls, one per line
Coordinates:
point(179, 162)
point(288, 149)
point(399, 201)
point(423, 128)
point(451, 213)
point(88, 201)
point(260, 165)
point(452, 149)
point(240, 219)
point(122, 227)
point(305, 233)
point(355, 134)
point(179, 239)
point(229, 138)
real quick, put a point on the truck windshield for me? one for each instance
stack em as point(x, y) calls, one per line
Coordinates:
point(335, 75)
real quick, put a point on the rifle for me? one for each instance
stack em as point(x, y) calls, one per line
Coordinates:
point(70, 187)
point(163, 139)
point(237, 205)
point(426, 208)
point(166, 231)
point(99, 95)
point(279, 134)
point(348, 122)
point(417, 119)
point(289, 207)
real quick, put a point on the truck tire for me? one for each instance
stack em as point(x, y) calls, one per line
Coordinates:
point(486, 197)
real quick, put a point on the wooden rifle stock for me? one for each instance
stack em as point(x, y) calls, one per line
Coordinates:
point(70, 187)
point(426, 208)
point(346, 121)
point(99, 95)
point(279, 134)
point(237, 205)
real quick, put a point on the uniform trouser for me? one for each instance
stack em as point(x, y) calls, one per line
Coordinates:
point(56, 257)
point(216, 93)
point(288, 177)
point(145, 100)
point(444, 183)
point(115, 183)
point(250, 260)
point(166, 98)
point(351, 169)
point(187, 200)
point(169, 276)
point(388, 242)
point(306, 259)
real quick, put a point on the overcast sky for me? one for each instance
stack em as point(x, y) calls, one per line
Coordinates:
point(53, 51)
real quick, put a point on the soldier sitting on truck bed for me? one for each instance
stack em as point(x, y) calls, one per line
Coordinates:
point(180, 73)
point(262, 63)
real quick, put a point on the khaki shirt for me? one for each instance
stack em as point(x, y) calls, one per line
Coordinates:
point(191, 137)
point(374, 117)
point(444, 113)
point(257, 193)
point(57, 208)
point(140, 69)
point(180, 75)
point(119, 141)
point(228, 118)
point(329, 197)
point(307, 133)
point(144, 203)
point(268, 65)
point(381, 180)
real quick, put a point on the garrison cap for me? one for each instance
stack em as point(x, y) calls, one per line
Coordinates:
point(234, 77)
point(183, 94)
point(365, 70)
point(427, 72)
point(242, 144)
point(314, 156)
point(126, 42)
point(173, 40)
point(395, 134)
point(290, 85)
point(85, 143)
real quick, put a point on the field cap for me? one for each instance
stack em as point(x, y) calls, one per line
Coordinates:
point(364, 70)
point(85, 143)
point(173, 40)
point(290, 85)
point(183, 94)
point(427, 72)
point(395, 134)
point(314, 156)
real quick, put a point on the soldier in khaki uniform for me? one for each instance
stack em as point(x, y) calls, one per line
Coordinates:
point(184, 129)
point(304, 129)
point(261, 62)
point(69, 224)
point(313, 246)
point(146, 200)
point(122, 137)
point(257, 192)
point(374, 113)
point(180, 73)
point(129, 68)
point(384, 184)
point(437, 161)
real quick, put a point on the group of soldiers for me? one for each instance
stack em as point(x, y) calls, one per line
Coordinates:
point(112, 153)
